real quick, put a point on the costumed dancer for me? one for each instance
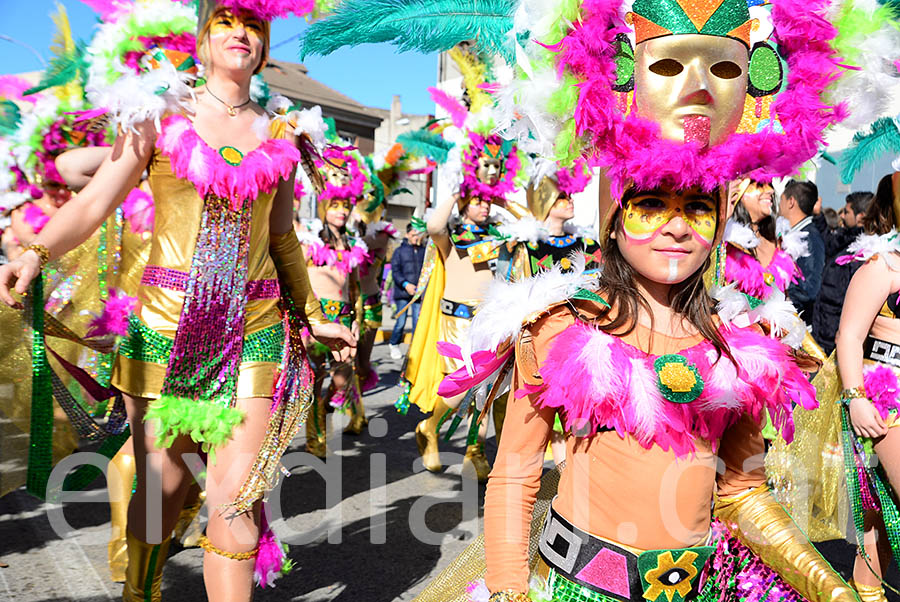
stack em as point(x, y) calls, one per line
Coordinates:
point(210, 361)
point(828, 472)
point(333, 259)
point(674, 100)
point(545, 238)
point(467, 252)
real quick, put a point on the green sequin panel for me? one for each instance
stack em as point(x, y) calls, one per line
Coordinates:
point(569, 591)
point(143, 344)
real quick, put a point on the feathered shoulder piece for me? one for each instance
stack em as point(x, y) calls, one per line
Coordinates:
point(669, 400)
point(867, 246)
point(793, 242)
point(740, 235)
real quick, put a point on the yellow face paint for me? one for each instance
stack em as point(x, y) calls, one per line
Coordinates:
point(647, 213)
point(338, 204)
point(226, 22)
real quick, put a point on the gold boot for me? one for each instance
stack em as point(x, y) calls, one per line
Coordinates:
point(120, 481)
point(427, 442)
point(143, 577)
point(315, 429)
point(475, 461)
point(869, 593)
point(187, 530)
point(358, 420)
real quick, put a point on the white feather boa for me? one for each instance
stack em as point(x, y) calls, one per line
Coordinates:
point(507, 305)
point(867, 246)
point(525, 229)
point(741, 235)
point(793, 242)
point(733, 307)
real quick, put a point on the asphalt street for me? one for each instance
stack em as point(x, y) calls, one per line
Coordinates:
point(376, 528)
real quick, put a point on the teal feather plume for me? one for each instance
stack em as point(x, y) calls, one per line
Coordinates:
point(426, 144)
point(377, 186)
point(63, 69)
point(10, 117)
point(883, 137)
point(423, 25)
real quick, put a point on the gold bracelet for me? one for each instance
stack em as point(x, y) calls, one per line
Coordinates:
point(209, 547)
point(41, 251)
point(853, 393)
point(509, 595)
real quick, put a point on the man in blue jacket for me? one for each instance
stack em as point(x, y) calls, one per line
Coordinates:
point(797, 204)
point(406, 264)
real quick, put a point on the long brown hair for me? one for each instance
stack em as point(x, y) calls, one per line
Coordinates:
point(688, 298)
point(879, 218)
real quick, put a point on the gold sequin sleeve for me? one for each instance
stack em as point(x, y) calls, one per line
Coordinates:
point(291, 267)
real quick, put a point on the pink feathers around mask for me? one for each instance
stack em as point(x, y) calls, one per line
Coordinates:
point(575, 179)
point(632, 149)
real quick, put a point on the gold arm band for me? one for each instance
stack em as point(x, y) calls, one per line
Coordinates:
point(287, 254)
point(763, 525)
point(209, 547)
point(854, 393)
point(41, 251)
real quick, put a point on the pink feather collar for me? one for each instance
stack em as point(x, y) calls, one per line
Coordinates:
point(620, 387)
point(320, 254)
point(754, 279)
point(193, 159)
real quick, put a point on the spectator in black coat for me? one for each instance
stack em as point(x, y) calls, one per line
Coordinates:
point(406, 265)
point(797, 205)
point(836, 278)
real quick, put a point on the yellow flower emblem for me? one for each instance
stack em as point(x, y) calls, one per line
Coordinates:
point(231, 155)
point(678, 377)
point(565, 264)
point(768, 278)
point(670, 577)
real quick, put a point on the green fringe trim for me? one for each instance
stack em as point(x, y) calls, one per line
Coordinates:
point(209, 424)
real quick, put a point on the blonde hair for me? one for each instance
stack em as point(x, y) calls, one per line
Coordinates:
point(203, 40)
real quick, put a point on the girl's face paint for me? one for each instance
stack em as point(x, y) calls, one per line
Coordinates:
point(337, 211)
point(237, 40)
point(646, 214)
point(226, 23)
point(666, 236)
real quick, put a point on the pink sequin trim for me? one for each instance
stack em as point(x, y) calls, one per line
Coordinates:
point(175, 280)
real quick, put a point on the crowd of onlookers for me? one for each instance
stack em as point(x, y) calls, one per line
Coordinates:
point(819, 295)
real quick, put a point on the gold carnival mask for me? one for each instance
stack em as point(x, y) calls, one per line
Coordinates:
point(335, 173)
point(692, 69)
point(693, 86)
point(542, 198)
point(490, 164)
point(648, 212)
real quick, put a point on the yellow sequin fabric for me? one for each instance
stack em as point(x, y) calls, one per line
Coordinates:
point(677, 377)
point(807, 476)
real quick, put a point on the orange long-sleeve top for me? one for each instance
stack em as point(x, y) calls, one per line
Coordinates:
point(611, 487)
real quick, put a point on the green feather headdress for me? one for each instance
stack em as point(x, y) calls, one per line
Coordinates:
point(423, 25)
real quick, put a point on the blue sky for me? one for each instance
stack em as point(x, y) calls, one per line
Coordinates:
point(370, 74)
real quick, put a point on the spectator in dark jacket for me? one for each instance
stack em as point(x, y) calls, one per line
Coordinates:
point(406, 265)
point(836, 278)
point(797, 204)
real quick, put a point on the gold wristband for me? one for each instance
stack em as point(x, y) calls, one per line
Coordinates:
point(509, 595)
point(41, 251)
point(853, 393)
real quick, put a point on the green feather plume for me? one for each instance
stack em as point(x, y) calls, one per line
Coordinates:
point(377, 185)
point(64, 69)
point(426, 144)
point(883, 137)
point(423, 25)
point(10, 117)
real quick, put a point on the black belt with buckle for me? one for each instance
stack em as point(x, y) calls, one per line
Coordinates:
point(457, 310)
point(583, 560)
point(883, 352)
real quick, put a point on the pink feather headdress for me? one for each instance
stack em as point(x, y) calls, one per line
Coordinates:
point(335, 158)
point(574, 179)
point(597, 121)
point(471, 186)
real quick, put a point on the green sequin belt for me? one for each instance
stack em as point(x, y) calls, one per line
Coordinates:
point(144, 344)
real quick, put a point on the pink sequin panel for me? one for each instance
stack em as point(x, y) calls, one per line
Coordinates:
point(175, 280)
